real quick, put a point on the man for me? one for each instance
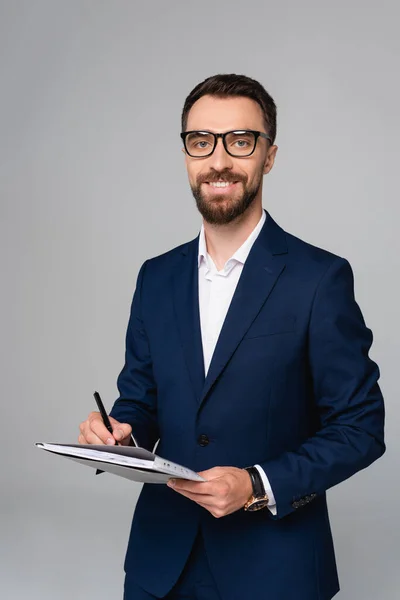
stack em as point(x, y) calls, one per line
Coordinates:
point(247, 357)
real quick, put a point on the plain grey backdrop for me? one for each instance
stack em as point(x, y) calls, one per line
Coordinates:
point(92, 182)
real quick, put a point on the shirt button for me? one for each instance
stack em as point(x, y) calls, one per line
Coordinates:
point(203, 440)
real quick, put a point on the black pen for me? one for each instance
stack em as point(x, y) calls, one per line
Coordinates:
point(106, 420)
point(103, 413)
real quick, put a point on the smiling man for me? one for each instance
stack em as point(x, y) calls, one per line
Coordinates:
point(247, 358)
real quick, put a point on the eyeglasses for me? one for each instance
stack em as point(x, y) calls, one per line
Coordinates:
point(238, 143)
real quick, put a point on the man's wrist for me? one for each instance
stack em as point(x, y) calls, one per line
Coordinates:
point(256, 481)
point(248, 490)
point(258, 498)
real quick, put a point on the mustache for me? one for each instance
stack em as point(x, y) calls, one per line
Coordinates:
point(213, 177)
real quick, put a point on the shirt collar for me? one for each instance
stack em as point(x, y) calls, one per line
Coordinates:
point(241, 253)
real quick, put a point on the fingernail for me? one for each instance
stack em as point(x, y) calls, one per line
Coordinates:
point(110, 442)
point(171, 482)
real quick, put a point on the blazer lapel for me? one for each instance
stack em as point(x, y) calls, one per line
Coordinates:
point(186, 303)
point(263, 266)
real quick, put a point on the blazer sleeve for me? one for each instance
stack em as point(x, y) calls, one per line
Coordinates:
point(346, 396)
point(137, 401)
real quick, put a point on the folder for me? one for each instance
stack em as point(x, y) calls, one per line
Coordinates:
point(134, 463)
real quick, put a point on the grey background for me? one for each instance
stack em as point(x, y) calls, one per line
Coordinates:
point(92, 182)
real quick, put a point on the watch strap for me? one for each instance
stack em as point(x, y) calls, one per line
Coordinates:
point(257, 483)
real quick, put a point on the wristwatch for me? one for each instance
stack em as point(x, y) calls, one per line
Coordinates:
point(259, 498)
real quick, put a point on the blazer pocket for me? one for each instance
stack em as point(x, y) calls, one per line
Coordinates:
point(271, 326)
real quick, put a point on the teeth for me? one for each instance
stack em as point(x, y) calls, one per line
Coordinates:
point(220, 183)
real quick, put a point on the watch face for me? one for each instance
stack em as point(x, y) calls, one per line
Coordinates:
point(258, 504)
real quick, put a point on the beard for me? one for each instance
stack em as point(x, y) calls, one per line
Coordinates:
point(222, 209)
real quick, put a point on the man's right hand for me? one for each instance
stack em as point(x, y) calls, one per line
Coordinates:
point(93, 431)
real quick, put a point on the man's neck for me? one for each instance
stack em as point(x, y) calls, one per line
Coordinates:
point(223, 240)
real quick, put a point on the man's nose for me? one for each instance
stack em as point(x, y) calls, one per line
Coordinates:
point(220, 159)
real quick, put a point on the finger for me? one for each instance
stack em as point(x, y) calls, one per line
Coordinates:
point(206, 501)
point(200, 497)
point(197, 487)
point(216, 509)
point(92, 438)
point(121, 431)
point(100, 431)
point(85, 433)
point(211, 506)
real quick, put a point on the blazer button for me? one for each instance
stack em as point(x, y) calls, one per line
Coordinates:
point(203, 440)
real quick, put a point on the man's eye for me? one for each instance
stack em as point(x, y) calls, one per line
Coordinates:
point(242, 143)
point(201, 144)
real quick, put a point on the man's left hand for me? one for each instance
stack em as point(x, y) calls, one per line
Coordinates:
point(226, 490)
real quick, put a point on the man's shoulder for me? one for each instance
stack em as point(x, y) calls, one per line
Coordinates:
point(302, 252)
point(306, 260)
point(167, 260)
point(305, 249)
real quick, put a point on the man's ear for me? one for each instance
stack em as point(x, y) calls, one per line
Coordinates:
point(270, 159)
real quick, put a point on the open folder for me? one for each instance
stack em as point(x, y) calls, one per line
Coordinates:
point(137, 464)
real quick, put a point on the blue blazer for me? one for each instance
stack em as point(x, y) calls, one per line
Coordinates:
point(290, 387)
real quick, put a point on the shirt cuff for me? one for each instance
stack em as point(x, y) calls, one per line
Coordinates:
point(272, 502)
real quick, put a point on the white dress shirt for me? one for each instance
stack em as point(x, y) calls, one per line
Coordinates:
point(216, 289)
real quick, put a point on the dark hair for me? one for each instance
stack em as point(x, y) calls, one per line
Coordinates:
point(225, 85)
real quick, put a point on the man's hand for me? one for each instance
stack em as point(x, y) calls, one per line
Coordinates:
point(226, 490)
point(93, 431)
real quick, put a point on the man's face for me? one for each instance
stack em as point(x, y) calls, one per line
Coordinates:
point(221, 205)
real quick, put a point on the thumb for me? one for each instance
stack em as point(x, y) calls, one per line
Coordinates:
point(121, 431)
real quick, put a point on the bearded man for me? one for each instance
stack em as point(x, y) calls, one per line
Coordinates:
point(247, 360)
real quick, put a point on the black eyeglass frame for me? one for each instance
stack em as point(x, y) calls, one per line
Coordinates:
point(256, 134)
